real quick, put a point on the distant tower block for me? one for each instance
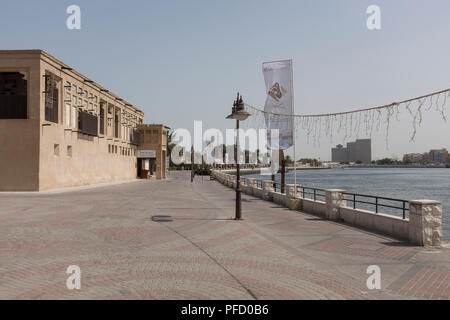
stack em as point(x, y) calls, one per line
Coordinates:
point(359, 150)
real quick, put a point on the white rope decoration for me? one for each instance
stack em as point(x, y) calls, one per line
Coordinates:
point(352, 123)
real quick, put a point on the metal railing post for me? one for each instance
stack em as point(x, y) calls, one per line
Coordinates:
point(404, 209)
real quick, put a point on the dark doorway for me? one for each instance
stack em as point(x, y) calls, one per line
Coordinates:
point(152, 166)
point(139, 168)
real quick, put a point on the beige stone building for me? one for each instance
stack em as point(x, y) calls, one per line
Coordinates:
point(60, 129)
point(152, 151)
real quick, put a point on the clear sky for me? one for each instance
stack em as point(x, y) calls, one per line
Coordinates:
point(184, 60)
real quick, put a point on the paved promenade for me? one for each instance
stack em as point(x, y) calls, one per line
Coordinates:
point(176, 240)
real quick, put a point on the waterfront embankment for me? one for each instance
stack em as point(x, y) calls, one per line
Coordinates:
point(422, 226)
point(406, 166)
point(250, 171)
point(398, 183)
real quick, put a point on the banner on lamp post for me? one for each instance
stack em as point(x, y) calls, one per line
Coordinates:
point(210, 152)
point(278, 78)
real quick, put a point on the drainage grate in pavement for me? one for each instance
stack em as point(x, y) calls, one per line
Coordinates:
point(162, 218)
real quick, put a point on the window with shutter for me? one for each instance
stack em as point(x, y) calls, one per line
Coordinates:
point(51, 97)
point(13, 95)
point(67, 114)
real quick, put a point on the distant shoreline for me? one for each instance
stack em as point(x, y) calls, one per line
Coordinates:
point(308, 168)
point(396, 167)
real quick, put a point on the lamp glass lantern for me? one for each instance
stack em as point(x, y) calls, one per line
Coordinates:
point(238, 110)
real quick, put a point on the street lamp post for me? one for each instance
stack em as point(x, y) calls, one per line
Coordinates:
point(239, 114)
point(192, 164)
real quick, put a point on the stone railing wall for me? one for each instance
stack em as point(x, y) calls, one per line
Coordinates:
point(423, 228)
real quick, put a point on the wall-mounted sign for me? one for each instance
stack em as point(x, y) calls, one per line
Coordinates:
point(146, 153)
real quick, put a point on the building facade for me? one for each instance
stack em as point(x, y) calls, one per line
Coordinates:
point(434, 156)
point(359, 150)
point(439, 156)
point(413, 157)
point(339, 154)
point(152, 151)
point(60, 129)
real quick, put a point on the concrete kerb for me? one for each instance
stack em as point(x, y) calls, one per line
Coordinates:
point(78, 188)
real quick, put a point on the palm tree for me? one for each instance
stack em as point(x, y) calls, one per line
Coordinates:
point(170, 145)
point(288, 159)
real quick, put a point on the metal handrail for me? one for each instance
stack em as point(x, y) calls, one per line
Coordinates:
point(317, 192)
point(368, 196)
point(259, 183)
point(314, 192)
point(279, 184)
point(377, 204)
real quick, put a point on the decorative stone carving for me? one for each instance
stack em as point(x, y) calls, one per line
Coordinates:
point(290, 191)
point(334, 199)
point(425, 222)
point(251, 182)
point(267, 189)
